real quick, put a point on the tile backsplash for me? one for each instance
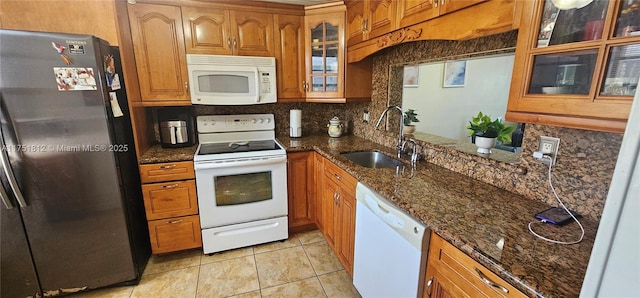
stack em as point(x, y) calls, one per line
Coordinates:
point(585, 163)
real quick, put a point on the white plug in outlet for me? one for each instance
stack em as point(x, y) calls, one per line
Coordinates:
point(548, 146)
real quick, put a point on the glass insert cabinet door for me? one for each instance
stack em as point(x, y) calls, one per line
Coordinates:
point(578, 58)
point(325, 55)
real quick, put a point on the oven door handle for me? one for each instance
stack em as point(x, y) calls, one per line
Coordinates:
point(204, 165)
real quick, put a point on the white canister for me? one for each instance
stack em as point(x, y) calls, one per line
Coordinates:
point(295, 123)
point(335, 127)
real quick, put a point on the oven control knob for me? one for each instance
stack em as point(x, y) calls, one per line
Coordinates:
point(261, 120)
point(268, 120)
point(254, 121)
point(213, 122)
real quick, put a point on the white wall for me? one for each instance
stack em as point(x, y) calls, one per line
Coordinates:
point(447, 111)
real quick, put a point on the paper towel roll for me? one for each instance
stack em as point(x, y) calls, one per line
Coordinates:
point(295, 123)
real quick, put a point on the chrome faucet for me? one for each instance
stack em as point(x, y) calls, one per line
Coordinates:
point(415, 154)
point(400, 134)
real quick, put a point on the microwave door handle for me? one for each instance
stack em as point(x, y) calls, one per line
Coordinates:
point(257, 72)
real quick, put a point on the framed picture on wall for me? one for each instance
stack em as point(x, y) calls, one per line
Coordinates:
point(410, 77)
point(454, 73)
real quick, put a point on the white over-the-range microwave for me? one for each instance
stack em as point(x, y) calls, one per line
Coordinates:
point(231, 80)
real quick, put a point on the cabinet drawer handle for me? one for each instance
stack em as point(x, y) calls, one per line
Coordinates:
point(170, 186)
point(168, 167)
point(229, 42)
point(489, 282)
point(186, 87)
point(337, 176)
point(175, 221)
point(435, 3)
point(235, 43)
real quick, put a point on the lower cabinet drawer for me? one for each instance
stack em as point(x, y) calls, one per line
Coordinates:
point(465, 273)
point(172, 199)
point(175, 234)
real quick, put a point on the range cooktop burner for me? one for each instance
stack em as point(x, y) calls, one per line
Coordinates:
point(235, 147)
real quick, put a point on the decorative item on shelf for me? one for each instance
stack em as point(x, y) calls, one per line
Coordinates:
point(485, 132)
point(335, 127)
point(409, 117)
point(629, 20)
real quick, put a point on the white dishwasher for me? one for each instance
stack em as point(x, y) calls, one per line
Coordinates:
point(390, 248)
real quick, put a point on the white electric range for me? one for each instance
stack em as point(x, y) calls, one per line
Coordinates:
point(241, 178)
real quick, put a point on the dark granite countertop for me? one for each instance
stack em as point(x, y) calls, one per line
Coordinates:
point(473, 216)
point(157, 154)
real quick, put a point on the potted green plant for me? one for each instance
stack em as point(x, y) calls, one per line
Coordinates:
point(487, 131)
point(409, 117)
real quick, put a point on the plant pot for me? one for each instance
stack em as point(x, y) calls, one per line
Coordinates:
point(409, 129)
point(485, 144)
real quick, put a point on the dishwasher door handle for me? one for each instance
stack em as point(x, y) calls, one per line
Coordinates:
point(385, 215)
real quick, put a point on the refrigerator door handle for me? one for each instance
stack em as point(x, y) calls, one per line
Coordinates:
point(6, 166)
point(6, 201)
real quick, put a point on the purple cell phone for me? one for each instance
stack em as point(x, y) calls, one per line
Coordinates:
point(556, 215)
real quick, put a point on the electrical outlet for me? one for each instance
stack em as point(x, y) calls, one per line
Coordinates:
point(365, 116)
point(548, 146)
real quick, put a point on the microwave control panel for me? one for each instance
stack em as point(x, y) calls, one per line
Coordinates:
point(265, 82)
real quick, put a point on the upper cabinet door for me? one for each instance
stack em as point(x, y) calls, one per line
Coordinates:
point(158, 44)
point(252, 33)
point(324, 41)
point(368, 19)
point(447, 6)
point(206, 31)
point(411, 12)
point(290, 65)
point(576, 66)
point(355, 21)
point(381, 16)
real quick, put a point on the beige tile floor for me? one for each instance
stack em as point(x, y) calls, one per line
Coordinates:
point(302, 266)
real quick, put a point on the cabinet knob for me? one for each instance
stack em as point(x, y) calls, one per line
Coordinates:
point(337, 176)
point(435, 3)
point(229, 42)
point(429, 283)
point(235, 43)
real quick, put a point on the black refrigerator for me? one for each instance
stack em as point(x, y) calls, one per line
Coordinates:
point(72, 215)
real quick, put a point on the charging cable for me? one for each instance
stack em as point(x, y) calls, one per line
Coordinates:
point(540, 155)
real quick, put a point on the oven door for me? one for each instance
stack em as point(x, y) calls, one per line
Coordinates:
point(241, 190)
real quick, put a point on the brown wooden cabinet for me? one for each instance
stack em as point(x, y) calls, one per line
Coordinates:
point(575, 68)
point(171, 206)
point(451, 273)
point(338, 212)
point(227, 32)
point(410, 12)
point(289, 49)
point(318, 163)
point(158, 42)
point(301, 191)
point(327, 73)
point(369, 18)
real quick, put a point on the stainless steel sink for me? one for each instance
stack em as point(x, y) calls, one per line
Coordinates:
point(372, 159)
